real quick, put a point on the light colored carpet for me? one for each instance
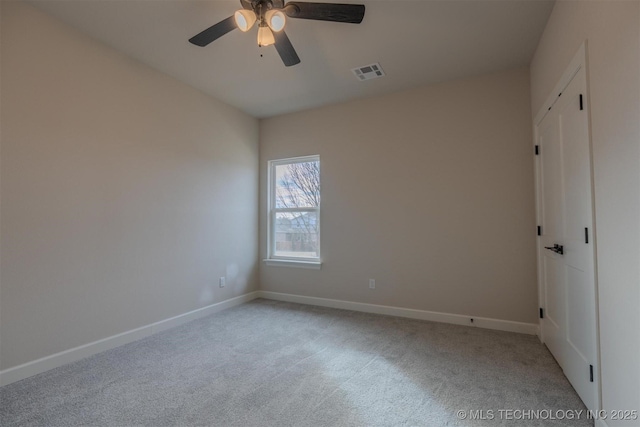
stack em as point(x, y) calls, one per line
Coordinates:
point(268, 363)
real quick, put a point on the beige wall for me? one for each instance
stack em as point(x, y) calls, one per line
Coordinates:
point(125, 194)
point(429, 191)
point(612, 30)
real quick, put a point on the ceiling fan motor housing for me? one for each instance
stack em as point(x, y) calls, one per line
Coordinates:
point(263, 5)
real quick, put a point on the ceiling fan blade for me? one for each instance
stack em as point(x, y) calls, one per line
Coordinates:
point(285, 49)
point(214, 32)
point(350, 13)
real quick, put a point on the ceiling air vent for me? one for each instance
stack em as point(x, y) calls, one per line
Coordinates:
point(368, 72)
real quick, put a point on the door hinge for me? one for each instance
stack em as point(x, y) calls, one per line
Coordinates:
point(541, 313)
point(586, 235)
point(581, 106)
point(537, 149)
point(590, 373)
point(539, 230)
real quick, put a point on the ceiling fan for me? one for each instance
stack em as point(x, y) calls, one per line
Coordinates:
point(271, 18)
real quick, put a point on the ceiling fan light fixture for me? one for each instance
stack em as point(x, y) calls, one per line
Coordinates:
point(265, 36)
point(244, 19)
point(275, 19)
point(272, 16)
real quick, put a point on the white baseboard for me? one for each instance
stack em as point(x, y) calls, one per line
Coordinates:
point(456, 319)
point(28, 369)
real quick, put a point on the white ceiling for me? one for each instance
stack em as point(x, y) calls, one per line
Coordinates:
point(416, 42)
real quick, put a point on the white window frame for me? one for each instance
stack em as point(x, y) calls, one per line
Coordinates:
point(272, 259)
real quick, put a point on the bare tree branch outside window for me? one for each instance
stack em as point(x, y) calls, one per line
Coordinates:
point(300, 186)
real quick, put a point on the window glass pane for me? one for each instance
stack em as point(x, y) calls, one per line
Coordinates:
point(296, 234)
point(297, 185)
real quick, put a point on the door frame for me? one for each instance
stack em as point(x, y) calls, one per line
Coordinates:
point(578, 63)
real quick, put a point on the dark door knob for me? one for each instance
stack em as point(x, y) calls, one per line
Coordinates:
point(559, 249)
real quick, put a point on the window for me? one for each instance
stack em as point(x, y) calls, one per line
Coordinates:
point(294, 211)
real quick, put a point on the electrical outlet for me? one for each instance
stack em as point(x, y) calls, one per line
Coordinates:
point(222, 282)
point(372, 283)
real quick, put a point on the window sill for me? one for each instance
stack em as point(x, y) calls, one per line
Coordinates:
point(314, 265)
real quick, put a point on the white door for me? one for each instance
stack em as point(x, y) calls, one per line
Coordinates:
point(566, 244)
